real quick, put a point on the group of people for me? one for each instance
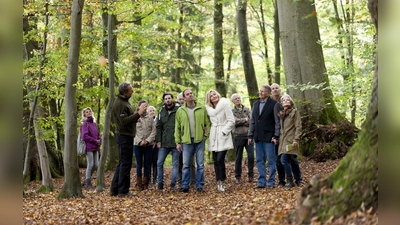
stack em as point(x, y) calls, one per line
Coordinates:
point(182, 128)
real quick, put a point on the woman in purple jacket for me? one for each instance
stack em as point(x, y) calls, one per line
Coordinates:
point(91, 135)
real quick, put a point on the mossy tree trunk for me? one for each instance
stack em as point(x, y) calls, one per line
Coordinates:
point(354, 184)
point(306, 75)
point(72, 185)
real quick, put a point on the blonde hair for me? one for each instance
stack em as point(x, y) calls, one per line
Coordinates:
point(208, 97)
point(83, 114)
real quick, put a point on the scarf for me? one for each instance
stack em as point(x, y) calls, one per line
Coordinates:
point(284, 112)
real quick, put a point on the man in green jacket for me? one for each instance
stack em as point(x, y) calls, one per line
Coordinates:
point(192, 127)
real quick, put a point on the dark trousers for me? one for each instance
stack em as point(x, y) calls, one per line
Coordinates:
point(241, 142)
point(279, 167)
point(154, 158)
point(121, 181)
point(143, 160)
point(219, 165)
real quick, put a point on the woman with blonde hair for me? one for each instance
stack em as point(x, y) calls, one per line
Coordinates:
point(91, 136)
point(220, 139)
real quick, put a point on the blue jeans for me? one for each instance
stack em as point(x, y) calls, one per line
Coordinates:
point(188, 150)
point(162, 154)
point(291, 165)
point(265, 150)
point(143, 160)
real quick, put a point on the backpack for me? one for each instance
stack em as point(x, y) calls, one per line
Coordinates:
point(81, 145)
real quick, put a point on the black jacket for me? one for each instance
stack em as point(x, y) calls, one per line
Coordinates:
point(166, 127)
point(124, 117)
point(264, 126)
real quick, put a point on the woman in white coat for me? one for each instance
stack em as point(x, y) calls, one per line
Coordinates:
point(220, 139)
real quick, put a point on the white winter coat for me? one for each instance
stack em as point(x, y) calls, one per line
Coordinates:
point(222, 122)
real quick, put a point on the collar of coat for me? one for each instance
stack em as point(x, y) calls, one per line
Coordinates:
point(223, 102)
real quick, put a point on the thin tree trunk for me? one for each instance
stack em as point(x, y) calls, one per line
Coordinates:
point(277, 45)
point(72, 185)
point(220, 84)
point(248, 66)
point(105, 148)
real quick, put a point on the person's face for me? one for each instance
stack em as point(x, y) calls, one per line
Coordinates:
point(128, 94)
point(237, 100)
point(264, 93)
point(151, 111)
point(88, 113)
point(275, 90)
point(214, 98)
point(168, 100)
point(181, 99)
point(286, 102)
point(189, 97)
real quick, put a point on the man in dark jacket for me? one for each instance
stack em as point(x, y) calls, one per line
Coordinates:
point(165, 139)
point(264, 131)
point(125, 128)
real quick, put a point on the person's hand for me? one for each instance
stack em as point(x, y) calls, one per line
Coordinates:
point(295, 143)
point(250, 141)
point(275, 141)
point(179, 147)
point(142, 109)
point(158, 144)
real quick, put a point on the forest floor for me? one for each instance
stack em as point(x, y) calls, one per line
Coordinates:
point(239, 204)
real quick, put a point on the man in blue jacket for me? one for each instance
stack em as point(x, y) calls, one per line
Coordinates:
point(264, 131)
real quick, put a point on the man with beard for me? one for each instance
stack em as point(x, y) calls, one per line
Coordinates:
point(165, 140)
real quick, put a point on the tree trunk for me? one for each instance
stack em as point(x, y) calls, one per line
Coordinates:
point(105, 148)
point(355, 182)
point(220, 84)
point(72, 185)
point(277, 45)
point(248, 67)
point(308, 81)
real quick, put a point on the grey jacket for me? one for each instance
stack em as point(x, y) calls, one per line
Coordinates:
point(241, 123)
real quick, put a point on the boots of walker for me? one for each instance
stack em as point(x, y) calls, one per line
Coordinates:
point(289, 181)
point(145, 182)
point(139, 185)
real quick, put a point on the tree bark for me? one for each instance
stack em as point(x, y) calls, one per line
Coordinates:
point(220, 84)
point(355, 182)
point(277, 45)
point(72, 185)
point(308, 81)
point(105, 148)
point(248, 66)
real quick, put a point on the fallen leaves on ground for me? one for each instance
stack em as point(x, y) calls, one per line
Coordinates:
point(239, 204)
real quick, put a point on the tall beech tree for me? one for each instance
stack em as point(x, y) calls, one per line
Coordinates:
point(307, 79)
point(72, 185)
point(354, 184)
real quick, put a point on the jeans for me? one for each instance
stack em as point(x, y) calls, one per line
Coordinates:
point(92, 160)
point(143, 160)
point(219, 165)
point(162, 154)
point(188, 150)
point(266, 150)
point(122, 180)
point(241, 142)
point(291, 165)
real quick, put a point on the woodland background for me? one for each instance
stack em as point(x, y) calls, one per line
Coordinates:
point(323, 54)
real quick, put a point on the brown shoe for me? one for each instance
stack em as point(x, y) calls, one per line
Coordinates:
point(237, 180)
point(251, 180)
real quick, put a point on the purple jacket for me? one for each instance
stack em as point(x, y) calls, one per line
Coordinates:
point(90, 134)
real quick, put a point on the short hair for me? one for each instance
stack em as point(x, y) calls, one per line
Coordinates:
point(167, 93)
point(83, 114)
point(276, 85)
point(141, 102)
point(151, 107)
point(183, 92)
point(180, 94)
point(124, 87)
point(234, 96)
point(266, 87)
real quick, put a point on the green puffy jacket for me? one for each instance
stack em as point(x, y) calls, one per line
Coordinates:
point(182, 126)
